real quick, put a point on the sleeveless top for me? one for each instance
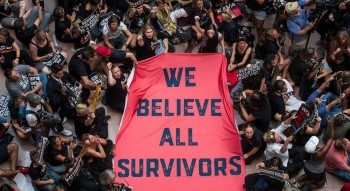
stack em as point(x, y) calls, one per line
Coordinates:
point(313, 166)
point(209, 45)
point(239, 56)
point(42, 51)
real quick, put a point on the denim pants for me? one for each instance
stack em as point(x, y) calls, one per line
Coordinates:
point(345, 175)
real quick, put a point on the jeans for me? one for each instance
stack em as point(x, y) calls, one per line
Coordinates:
point(33, 15)
point(55, 171)
point(345, 175)
point(118, 42)
point(43, 79)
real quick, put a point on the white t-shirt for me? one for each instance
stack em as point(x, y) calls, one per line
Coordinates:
point(113, 35)
point(274, 149)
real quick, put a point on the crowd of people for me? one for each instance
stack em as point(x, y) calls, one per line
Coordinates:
point(110, 37)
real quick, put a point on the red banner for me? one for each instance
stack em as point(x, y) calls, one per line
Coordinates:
point(178, 130)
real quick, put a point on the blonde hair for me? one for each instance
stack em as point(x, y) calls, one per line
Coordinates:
point(146, 27)
point(40, 35)
point(269, 137)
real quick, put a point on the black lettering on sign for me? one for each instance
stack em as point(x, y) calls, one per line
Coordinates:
point(98, 78)
point(254, 69)
point(4, 110)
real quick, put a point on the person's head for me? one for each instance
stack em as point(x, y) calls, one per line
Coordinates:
point(248, 130)
point(82, 109)
point(340, 144)
point(71, 15)
point(33, 99)
point(116, 72)
point(107, 177)
point(317, 101)
point(88, 54)
point(40, 35)
point(12, 75)
point(57, 70)
point(292, 8)
point(272, 137)
point(88, 139)
point(344, 5)
point(339, 120)
point(59, 12)
point(20, 100)
point(149, 32)
point(4, 33)
point(226, 17)
point(199, 4)
point(160, 4)
point(271, 60)
point(276, 163)
point(139, 9)
point(307, 54)
point(257, 100)
point(242, 40)
point(210, 31)
point(113, 22)
point(34, 156)
point(55, 141)
point(345, 77)
point(272, 33)
point(280, 86)
point(343, 37)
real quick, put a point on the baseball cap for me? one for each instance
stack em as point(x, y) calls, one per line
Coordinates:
point(31, 120)
point(291, 7)
point(33, 98)
point(103, 51)
point(311, 144)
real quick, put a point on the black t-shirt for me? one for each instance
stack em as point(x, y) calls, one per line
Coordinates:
point(6, 47)
point(115, 94)
point(77, 67)
point(81, 41)
point(296, 70)
point(117, 56)
point(253, 5)
point(37, 172)
point(277, 104)
point(138, 21)
point(203, 14)
point(26, 35)
point(270, 47)
point(262, 118)
point(80, 127)
point(145, 51)
point(60, 27)
point(256, 140)
point(52, 154)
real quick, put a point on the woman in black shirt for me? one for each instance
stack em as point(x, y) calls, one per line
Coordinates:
point(252, 143)
point(62, 26)
point(149, 45)
point(211, 40)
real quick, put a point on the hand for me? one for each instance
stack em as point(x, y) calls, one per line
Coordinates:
point(290, 139)
point(337, 51)
point(50, 181)
point(64, 90)
point(15, 61)
point(123, 47)
point(310, 25)
point(109, 65)
point(48, 56)
point(216, 26)
point(245, 156)
point(348, 49)
point(139, 37)
point(331, 17)
point(199, 35)
point(318, 119)
point(6, 125)
point(197, 18)
point(132, 10)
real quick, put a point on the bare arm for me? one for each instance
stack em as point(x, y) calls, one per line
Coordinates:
point(247, 117)
point(87, 83)
point(106, 41)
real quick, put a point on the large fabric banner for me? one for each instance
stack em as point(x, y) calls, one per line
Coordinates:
point(178, 130)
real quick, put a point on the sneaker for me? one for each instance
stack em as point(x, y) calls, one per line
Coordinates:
point(23, 170)
point(66, 133)
point(65, 119)
point(107, 118)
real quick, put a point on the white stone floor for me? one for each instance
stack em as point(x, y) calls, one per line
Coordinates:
point(334, 183)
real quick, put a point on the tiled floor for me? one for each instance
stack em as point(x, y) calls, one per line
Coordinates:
point(334, 184)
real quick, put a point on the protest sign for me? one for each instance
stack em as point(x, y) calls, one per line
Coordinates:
point(4, 110)
point(178, 130)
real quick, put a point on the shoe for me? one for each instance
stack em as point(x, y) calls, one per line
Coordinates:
point(23, 170)
point(107, 118)
point(65, 119)
point(103, 100)
point(66, 133)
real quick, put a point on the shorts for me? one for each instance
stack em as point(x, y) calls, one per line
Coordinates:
point(261, 15)
point(314, 176)
point(4, 153)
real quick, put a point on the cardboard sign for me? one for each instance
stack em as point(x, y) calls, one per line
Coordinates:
point(88, 23)
point(250, 71)
point(178, 129)
point(57, 58)
point(99, 78)
point(276, 174)
point(33, 80)
point(304, 116)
